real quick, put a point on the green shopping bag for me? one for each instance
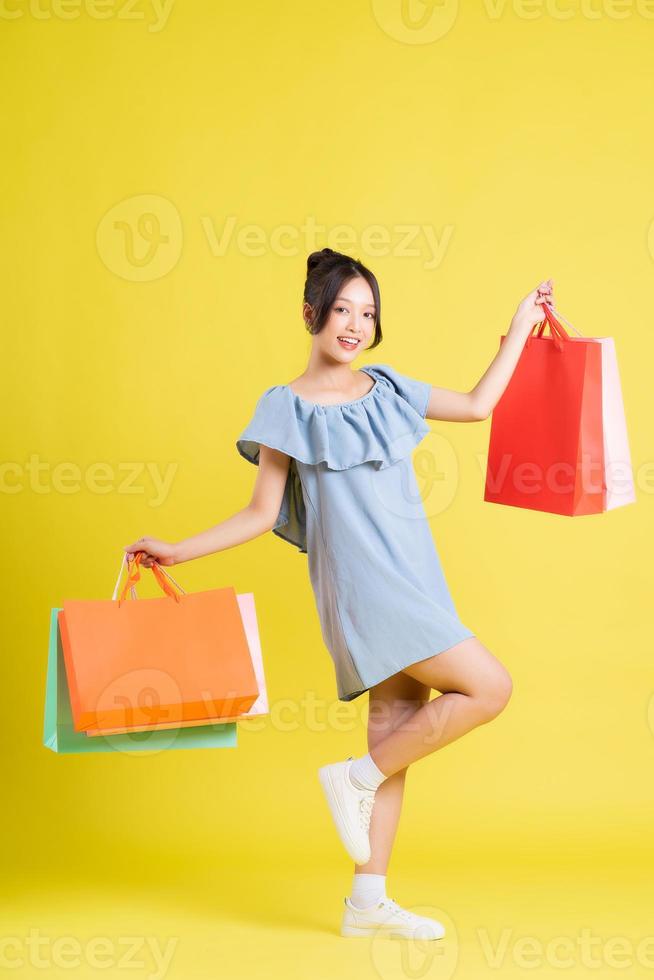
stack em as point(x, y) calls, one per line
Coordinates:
point(59, 735)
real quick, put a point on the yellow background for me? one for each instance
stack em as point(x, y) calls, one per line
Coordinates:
point(521, 137)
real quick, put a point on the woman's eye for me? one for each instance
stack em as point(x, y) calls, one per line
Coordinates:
point(339, 308)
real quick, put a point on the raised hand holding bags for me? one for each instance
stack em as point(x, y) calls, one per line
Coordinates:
point(558, 440)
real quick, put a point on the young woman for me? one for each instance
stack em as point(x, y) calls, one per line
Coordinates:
point(335, 479)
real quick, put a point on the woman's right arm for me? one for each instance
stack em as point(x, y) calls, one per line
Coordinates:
point(257, 517)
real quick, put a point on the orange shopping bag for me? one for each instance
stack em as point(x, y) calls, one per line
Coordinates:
point(260, 707)
point(176, 658)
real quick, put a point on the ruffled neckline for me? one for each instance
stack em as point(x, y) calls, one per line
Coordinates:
point(381, 427)
point(352, 401)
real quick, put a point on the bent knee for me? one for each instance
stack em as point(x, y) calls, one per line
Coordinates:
point(496, 695)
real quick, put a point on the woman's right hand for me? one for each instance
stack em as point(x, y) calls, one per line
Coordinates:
point(153, 550)
point(530, 309)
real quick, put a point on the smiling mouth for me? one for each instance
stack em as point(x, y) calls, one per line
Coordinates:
point(350, 341)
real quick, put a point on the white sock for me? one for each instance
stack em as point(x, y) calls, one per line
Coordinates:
point(367, 890)
point(365, 774)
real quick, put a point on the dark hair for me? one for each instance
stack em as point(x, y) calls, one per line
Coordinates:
point(326, 272)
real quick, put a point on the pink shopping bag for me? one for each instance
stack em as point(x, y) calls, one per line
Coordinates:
point(618, 472)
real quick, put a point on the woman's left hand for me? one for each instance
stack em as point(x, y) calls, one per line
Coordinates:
point(530, 309)
point(153, 550)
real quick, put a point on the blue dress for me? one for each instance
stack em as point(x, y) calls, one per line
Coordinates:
point(352, 505)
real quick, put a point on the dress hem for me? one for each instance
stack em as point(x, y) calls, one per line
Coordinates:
point(467, 634)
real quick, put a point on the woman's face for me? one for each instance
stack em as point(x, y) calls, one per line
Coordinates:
point(352, 318)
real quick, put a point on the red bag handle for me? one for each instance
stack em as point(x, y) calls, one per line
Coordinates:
point(557, 330)
point(134, 575)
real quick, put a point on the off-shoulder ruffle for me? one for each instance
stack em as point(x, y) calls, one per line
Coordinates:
point(381, 427)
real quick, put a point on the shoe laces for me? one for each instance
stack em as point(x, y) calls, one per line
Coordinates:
point(392, 906)
point(365, 810)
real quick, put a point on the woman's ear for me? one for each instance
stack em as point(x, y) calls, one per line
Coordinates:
point(307, 313)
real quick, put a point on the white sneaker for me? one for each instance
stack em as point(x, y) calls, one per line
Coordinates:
point(351, 808)
point(387, 917)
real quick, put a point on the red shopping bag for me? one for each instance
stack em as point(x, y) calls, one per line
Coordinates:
point(176, 658)
point(546, 449)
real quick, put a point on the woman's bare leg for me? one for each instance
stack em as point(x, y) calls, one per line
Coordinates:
point(389, 704)
point(474, 688)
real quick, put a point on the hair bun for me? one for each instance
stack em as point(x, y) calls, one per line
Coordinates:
point(317, 257)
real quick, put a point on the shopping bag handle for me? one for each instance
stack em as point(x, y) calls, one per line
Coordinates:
point(134, 575)
point(557, 330)
point(120, 575)
point(559, 316)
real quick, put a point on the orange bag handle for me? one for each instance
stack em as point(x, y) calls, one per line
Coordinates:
point(134, 576)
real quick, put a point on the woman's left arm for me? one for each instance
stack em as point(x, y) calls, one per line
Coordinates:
point(477, 404)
